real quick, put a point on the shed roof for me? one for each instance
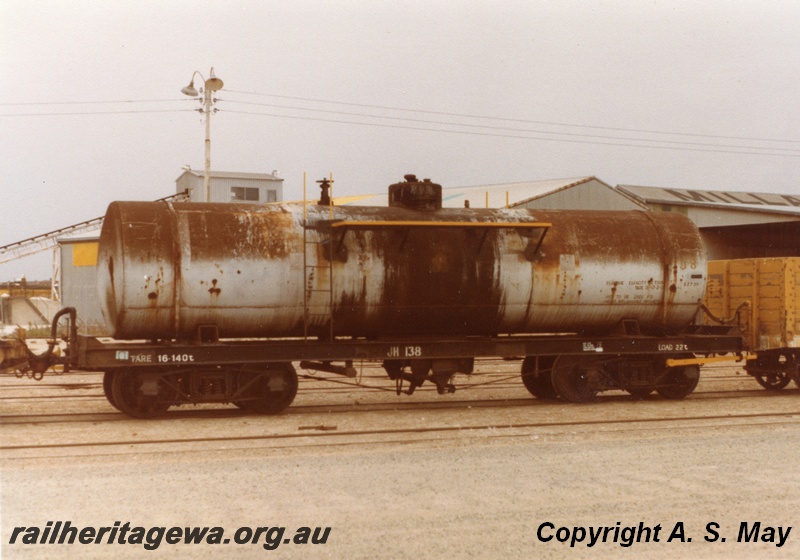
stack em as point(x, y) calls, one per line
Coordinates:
point(783, 204)
point(231, 175)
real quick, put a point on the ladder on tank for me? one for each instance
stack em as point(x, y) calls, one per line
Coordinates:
point(312, 269)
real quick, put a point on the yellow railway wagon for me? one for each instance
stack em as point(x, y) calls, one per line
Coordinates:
point(764, 296)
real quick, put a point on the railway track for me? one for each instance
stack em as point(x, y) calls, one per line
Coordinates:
point(323, 431)
point(332, 440)
point(407, 405)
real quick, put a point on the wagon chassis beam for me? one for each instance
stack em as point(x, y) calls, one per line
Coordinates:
point(89, 353)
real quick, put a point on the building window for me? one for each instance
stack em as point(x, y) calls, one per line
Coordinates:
point(248, 194)
point(272, 196)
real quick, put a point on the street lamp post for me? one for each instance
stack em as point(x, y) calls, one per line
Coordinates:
point(210, 85)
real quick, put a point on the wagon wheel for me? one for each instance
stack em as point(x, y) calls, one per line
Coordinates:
point(108, 390)
point(773, 371)
point(268, 391)
point(679, 382)
point(541, 385)
point(773, 380)
point(577, 379)
point(142, 394)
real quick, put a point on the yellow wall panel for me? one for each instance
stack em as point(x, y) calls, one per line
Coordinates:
point(84, 254)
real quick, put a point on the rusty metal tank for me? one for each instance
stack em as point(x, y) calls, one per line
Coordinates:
point(166, 269)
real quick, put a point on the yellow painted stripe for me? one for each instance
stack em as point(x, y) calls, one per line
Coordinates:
point(342, 200)
point(672, 362)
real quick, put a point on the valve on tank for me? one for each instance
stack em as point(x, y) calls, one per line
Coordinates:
point(325, 197)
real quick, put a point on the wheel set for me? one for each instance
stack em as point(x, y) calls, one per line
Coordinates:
point(580, 378)
point(774, 370)
point(149, 393)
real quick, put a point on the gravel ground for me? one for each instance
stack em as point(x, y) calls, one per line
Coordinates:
point(480, 492)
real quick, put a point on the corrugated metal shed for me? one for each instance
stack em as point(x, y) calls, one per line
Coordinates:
point(78, 256)
point(587, 193)
point(230, 186)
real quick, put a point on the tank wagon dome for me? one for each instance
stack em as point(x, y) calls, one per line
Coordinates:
point(166, 269)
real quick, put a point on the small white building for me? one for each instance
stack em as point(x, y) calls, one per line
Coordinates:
point(226, 186)
point(78, 280)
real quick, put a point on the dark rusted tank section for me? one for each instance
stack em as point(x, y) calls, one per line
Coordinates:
point(167, 270)
point(415, 195)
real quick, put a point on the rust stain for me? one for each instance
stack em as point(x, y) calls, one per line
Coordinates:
point(240, 233)
point(214, 290)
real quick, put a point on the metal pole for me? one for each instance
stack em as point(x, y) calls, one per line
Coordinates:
point(207, 108)
point(55, 276)
point(330, 208)
point(210, 85)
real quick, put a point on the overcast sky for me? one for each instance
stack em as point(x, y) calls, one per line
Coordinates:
point(682, 94)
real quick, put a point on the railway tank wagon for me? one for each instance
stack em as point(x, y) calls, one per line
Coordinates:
point(169, 269)
point(342, 281)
